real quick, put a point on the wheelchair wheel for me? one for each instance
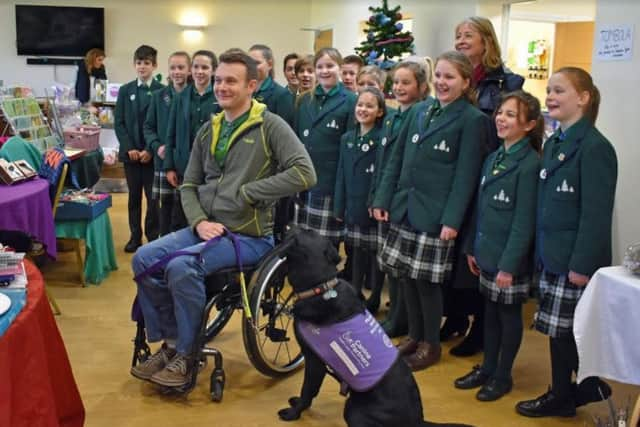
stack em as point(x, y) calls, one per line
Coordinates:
point(269, 337)
point(220, 313)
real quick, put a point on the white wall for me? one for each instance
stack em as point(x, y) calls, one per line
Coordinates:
point(434, 21)
point(128, 24)
point(619, 84)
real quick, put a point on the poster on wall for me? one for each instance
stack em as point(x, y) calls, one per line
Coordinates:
point(614, 43)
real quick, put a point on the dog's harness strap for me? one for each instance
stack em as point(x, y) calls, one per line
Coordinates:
point(318, 290)
point(162, 262)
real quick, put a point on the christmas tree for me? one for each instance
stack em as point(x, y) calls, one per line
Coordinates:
point(385, 39)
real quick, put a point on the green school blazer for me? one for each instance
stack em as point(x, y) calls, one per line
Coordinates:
point(392, 123)
point(506, 212)
point(355, 173)
point(126, 123)
point(433, 169)
point(320, 121)
point(155, 125)
point(277, 99)
point(576, 190)
point(179, 131)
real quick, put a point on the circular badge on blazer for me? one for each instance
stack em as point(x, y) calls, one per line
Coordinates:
point(365, 147)
point(543, 174)
point(384, 141)
point(415, 138)
point(305, 133)
point(132, 97)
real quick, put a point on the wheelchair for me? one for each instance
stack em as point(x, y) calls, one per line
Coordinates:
point(267, 334)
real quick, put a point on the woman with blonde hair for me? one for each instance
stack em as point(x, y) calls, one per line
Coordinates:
point(477, 40)
point(91, 66)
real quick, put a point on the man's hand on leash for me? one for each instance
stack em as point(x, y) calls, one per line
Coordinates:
point(208, 230)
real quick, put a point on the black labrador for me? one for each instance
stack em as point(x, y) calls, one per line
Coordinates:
point(395, 399)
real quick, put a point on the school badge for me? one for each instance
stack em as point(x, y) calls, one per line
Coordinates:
point(415, 138)
point(305, 133)
point(365, 147)
point(383, 142)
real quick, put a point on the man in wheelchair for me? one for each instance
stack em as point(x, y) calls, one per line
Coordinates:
point(242, 161)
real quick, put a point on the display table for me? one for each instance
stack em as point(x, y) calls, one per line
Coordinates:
point(87, 169)
point(100, 256)
point(606, 326)
point(37, 386)
point(26, 206)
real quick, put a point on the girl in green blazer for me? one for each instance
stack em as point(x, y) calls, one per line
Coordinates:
point(576, 189)
point(189, 112)
point(502, 240)
point(425, 191)
point(277, 98)
point(322, 116)
point(155, 134)
point(355, 171)
point(410, 85)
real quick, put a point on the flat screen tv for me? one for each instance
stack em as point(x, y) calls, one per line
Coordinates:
point(58, 31)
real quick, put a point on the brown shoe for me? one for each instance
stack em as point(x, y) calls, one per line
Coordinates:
point(407, 346)
point(175, 374)
point(155, 363)
point(425, 356)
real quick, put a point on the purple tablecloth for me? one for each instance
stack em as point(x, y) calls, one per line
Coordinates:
point(26, 206)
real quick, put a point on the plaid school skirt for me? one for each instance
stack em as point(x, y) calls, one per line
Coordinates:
point(362, 237)
point(517, 293)
point(558, 299)
point(317, 215)
point(161, 188)
point(414, 254)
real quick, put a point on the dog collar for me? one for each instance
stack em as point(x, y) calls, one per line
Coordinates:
point(319, 290)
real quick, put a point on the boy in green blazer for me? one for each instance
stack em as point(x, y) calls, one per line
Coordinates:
point(133, 101)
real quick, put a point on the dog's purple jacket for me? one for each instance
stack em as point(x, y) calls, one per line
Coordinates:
point(357, 350)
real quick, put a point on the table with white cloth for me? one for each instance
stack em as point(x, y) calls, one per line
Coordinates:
point(607, 326)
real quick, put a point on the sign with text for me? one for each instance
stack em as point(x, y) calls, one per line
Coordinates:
point(614, 43)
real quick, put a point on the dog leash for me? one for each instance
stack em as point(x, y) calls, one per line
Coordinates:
point(162, 262)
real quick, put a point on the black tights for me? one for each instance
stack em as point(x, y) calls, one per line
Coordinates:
point(424, 309)
point(502, 338)
point(564, 362)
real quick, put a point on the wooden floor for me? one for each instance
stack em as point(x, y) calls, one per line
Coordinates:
point(97, 330)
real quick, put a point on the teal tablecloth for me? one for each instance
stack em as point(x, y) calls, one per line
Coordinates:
point(100, 256)
point(18, 299)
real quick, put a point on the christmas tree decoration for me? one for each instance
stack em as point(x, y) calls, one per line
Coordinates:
point(386, 41)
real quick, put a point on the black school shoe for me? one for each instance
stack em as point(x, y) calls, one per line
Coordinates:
point(473, 379)
point(547, 405)
point(132, 246)
point(494, 389)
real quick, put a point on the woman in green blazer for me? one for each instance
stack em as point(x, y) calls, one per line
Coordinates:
point(501, 240)
point(425, 192)
point(576, 189)
point(322, 116)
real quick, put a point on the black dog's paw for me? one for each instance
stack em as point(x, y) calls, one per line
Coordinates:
point(294, 411)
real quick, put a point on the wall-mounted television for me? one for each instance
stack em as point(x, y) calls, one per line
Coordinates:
point(58, 31)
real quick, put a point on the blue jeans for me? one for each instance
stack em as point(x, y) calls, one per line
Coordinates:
point(172, 299)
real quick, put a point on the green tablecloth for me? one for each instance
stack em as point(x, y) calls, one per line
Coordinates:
point(100, 256)
point(87, 168)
